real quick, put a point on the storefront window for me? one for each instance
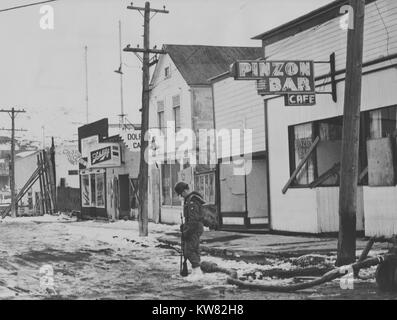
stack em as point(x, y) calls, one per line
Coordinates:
point(85, 190)
point(175, 168)
point(100, 190)
point(93, 190)
point(205, 185)
point(323, 166)
point(169, 177)
point(166, 184)
point(303, 139)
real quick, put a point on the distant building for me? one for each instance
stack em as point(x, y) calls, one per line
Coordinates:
point(25, 165)
point(108, 173)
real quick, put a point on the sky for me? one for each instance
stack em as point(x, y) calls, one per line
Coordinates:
point(43, 71)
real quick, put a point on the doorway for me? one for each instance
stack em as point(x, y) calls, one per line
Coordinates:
point(124, 192)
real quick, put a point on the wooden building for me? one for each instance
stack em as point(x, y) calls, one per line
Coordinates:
point(243, 200)
point(108, 174)
point(181, 93)
point(310, 205)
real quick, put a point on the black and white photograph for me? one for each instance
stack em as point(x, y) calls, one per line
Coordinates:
point(198, 155)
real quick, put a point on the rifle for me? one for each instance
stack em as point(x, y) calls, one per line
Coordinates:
point(183, 264)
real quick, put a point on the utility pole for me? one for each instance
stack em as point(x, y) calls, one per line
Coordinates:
point(13, 113)
point(86, 81)
point(146, 63)
point(351, 137)
point(120, 71)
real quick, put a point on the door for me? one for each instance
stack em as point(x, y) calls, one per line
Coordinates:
point(116, 198)
point(124, 192)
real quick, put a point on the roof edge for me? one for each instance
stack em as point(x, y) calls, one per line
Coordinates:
point(305, 22)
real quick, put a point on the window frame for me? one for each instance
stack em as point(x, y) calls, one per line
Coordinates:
point(173, 201)
point(206, 178)
point(363, 158)
point(167, 72)
point(93, 197)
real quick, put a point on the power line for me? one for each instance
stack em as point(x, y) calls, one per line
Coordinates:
point(26, 5)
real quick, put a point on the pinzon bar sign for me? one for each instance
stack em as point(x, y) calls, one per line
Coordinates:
point(277, 77)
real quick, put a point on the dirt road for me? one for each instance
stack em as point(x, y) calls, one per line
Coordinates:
point(97, 260)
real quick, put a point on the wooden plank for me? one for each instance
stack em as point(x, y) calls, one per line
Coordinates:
point(301, 164)
point(335, 168)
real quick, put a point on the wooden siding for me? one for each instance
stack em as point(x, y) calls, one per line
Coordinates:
point(380, 211)
point(237, 106)
point(328, 209)
point(164, 90)
point(380, 39)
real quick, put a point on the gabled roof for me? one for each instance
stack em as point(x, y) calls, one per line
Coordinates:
point(197, 63)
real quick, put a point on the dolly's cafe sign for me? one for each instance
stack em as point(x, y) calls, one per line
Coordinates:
point(277, 77)
point(132, 138)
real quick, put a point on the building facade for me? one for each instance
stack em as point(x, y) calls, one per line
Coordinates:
point(310, 205)
point(180, 100)
point(108, 174)
point(243, 200)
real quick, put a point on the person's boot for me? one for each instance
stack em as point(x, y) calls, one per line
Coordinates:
point(196, 274)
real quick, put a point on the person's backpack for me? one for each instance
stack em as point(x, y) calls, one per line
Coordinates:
point(209, 216)
point(208, 212)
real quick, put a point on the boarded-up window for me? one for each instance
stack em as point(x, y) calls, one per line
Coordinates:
point(380, 162)
point(303, 139)
point(383, 122)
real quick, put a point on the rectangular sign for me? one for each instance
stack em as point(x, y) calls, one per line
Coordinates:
point(277, 77)
point(101, 155)
point(105, 155)
point(292, 100)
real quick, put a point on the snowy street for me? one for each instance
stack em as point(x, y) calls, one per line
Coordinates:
point(99, 260)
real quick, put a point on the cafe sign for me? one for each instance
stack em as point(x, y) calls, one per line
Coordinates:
point(294, 100)
point(132, 139)
point(277, 77)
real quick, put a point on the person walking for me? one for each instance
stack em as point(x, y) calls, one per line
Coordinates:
point(193, 227)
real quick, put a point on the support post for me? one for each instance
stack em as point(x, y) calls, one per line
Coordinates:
point(351, 138)
point(143, 165)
